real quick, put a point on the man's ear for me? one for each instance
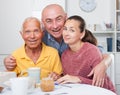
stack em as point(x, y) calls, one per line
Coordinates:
point(21, 33)
point(66, 15)
point(42, 26)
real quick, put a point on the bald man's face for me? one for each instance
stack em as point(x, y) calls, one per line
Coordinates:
point(53, 19)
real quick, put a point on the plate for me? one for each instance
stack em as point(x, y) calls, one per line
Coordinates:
point(57, 87)
point(7, 83)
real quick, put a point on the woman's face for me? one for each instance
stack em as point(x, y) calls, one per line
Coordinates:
point(72, 32)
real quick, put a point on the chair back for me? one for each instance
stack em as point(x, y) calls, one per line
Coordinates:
point(111, 70)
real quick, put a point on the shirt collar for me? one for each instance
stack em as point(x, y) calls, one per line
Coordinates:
point(23, 54)
point(50, 37)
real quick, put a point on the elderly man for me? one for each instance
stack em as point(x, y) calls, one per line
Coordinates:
point(34, 53)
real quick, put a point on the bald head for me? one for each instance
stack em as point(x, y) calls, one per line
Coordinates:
point(51, 10)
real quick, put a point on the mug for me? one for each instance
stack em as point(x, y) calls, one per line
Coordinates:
point(19, 85)
point(33, 72)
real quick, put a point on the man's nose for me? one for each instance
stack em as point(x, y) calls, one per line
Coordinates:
point(32, 34)
point(55, 24)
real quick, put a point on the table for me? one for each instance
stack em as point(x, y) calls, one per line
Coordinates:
point(69, 89)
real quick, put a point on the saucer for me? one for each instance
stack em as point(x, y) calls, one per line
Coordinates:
point(7, 83)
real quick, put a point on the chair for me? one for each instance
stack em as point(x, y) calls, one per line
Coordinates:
point(111, 70)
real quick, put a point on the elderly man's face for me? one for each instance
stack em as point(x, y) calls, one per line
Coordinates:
point(32, 34)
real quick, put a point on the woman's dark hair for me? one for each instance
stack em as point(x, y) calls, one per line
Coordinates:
point(88, 37)
point(81, 20)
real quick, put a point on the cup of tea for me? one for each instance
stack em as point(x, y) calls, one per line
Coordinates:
point(19, 85)
point(47, 84)
point(33, 72)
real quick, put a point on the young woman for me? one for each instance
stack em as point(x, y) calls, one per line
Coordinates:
point(81, 56)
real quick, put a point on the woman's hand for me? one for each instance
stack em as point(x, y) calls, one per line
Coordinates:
point(68, 79)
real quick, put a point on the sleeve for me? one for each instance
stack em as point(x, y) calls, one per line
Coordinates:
point(85, 80)
point(101, 48)
point(95, 57)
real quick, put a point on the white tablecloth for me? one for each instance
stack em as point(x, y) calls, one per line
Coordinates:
point(74, 89)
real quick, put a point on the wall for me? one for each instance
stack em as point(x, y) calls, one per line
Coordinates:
point(38, 5)
point(101, 14)
point(12, 14)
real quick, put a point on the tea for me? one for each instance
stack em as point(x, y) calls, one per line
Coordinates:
point(47, 84)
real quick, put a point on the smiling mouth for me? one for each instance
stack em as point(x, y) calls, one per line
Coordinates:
point(33, 42)
point(56, 30)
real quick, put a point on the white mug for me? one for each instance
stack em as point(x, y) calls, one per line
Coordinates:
point(19, 85)
point(33, 72)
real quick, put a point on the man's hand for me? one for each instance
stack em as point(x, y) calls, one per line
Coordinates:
point(10, 63)
point(54, 76)
point(100, 70)
point(98, 74)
